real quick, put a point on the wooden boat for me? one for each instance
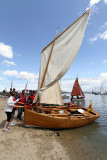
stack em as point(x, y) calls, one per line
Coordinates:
point(77, 93)
point(52, 118)
point(56, 59)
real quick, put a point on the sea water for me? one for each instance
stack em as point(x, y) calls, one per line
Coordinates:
point(88, 142)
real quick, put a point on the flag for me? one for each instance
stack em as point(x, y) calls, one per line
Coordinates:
point(90, 106)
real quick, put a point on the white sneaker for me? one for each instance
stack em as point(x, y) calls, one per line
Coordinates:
point(5, 130)
point(8, 128)
point(11, 124)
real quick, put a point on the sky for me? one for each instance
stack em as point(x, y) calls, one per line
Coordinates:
point(26, 27)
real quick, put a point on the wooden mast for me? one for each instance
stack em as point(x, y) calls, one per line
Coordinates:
point(46, 67)
point(26, 87)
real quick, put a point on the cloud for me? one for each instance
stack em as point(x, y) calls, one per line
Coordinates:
point(18, 84)
point(103, 75)
point(103, 35)
point(6, 50)
point(104, 26)
point(99, 36)
point(2, 79)
point(93, 2)
point(8, 63)
point(21, 75)
point(92, 5)
point(10, 73)
point(93, 39)
point(87, 84)
point(26, 75)
point(105, 1)
point(105, 61)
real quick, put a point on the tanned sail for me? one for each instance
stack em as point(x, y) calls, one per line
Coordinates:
point(77, 91)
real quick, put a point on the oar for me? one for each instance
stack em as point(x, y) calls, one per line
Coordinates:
point(19, 106)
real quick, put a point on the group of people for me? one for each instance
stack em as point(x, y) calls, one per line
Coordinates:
point(16, 99)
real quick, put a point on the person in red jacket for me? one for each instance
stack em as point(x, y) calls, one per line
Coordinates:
point(22, 102)
point(31, 98)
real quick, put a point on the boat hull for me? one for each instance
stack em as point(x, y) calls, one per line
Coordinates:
point(33, 118)
point(78, 99)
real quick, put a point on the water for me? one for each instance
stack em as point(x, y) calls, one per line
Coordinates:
point(88, 142)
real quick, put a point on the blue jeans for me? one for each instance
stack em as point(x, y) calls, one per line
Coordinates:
point(19, 115)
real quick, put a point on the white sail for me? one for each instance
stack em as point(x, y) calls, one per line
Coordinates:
point(102, 90)
point(52, 95)
point(65, 49)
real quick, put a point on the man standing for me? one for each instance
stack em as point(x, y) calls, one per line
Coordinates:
point(21, 102)
point(31, 97)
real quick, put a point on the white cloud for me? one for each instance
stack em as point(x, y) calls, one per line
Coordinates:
point(18, 84)
point(21, 75)
point(92, 5)
point(8, 63)
point(105, 61)
point(104, 26)
point(93, 2)
point(93, 39)
point(2, 79)
point(6, 50)
point(103, 35)
point(87, 84)
point(105, 1)
point(104, 75)
point(10, 73)
point(26, 75)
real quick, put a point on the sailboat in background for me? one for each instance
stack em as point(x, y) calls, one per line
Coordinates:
point(56, 59)
point(77, 93)
point(102, 90)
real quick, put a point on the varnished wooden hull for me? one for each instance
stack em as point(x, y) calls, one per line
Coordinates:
point(33, 118)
